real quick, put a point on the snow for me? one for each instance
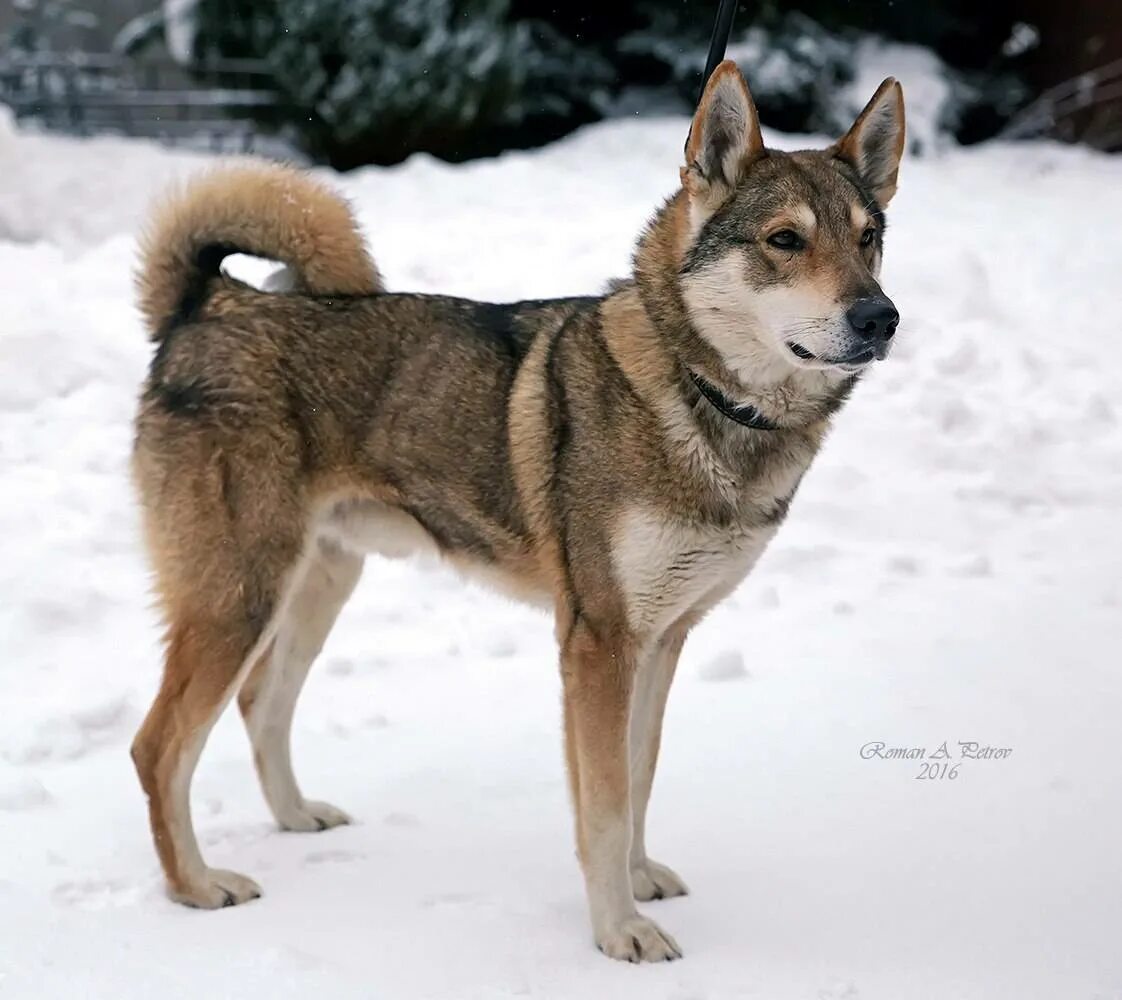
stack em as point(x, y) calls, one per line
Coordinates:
point(949, 571)
point(180, 29)
point(922, 74)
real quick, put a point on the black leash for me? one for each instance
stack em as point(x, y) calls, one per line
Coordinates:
point(746, 416)
point(743, 414)
point(719, 41)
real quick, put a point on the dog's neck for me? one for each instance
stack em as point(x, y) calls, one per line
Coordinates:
point(784, 395)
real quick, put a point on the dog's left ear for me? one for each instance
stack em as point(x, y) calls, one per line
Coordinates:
point(724, 137)
point(875, 143)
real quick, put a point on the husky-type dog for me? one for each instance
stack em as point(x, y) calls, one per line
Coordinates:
point(623, 460)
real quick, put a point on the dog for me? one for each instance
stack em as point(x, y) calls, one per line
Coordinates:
point(622, 460)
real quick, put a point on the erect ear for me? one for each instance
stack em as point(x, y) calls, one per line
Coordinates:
point(875, 143)
point(724, 136)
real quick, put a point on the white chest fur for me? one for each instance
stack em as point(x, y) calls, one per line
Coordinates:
point(668, 568)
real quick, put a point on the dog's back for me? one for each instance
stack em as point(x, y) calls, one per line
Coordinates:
point(266, 409)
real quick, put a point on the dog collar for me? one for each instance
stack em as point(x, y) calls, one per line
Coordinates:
point(741, 413)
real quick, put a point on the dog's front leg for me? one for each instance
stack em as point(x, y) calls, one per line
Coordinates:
point(599, 676)
point(649, 879)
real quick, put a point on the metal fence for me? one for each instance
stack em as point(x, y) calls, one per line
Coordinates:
point(228, 105)
point(1087, 108)
point(224, 105)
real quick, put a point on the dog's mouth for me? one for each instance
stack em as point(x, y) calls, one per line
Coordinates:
point(850, 363)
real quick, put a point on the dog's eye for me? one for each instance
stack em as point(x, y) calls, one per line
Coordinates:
point(786, 239)
point(868, 236)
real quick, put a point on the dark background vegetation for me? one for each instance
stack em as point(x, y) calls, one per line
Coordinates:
point(371, 81)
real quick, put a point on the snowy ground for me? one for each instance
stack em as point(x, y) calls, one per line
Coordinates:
point(950, 571)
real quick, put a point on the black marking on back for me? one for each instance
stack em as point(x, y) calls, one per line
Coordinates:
point(499, 323)
point(511, 325)
point(182, 398)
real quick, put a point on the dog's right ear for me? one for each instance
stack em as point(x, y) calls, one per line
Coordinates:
point(724, 138)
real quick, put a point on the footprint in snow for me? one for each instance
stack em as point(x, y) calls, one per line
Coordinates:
point(456, 899)
point(236, 836)
point(23, 794)
point(340, 667)
point(405, 820)
point(332, 857)
point(375, 721)
point(905, 565)
point(500, 645)
point(975, 566)
point(800, 559)
point(345, 730)
point(726, 666)
point(97, 894)
point(768, 598)
point(75, 734)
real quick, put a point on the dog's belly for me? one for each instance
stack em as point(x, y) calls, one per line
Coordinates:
point(669, 568)
point(370, 527)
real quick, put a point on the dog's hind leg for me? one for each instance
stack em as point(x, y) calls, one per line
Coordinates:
point(268, 698)
point(205, 658)
point(649, 879)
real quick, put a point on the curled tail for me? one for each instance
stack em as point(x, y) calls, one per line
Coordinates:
point(262, 209)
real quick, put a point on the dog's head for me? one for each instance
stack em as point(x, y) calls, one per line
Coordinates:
point(782, 250)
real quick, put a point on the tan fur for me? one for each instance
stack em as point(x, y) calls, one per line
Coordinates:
point(560, 450)
point(265, 209)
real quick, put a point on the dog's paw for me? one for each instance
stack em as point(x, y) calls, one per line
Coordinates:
point(217, 888)
point(650, 880)
point(638, 939)
point(311, 817)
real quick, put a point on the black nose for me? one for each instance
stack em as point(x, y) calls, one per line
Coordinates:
point(873, 318)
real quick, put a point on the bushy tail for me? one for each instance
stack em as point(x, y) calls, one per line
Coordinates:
point(262, 209)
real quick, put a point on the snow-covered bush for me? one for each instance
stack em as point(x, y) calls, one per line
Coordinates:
point(806, 77)
point(36, 25)
point(373, 80)
point(794, 67)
